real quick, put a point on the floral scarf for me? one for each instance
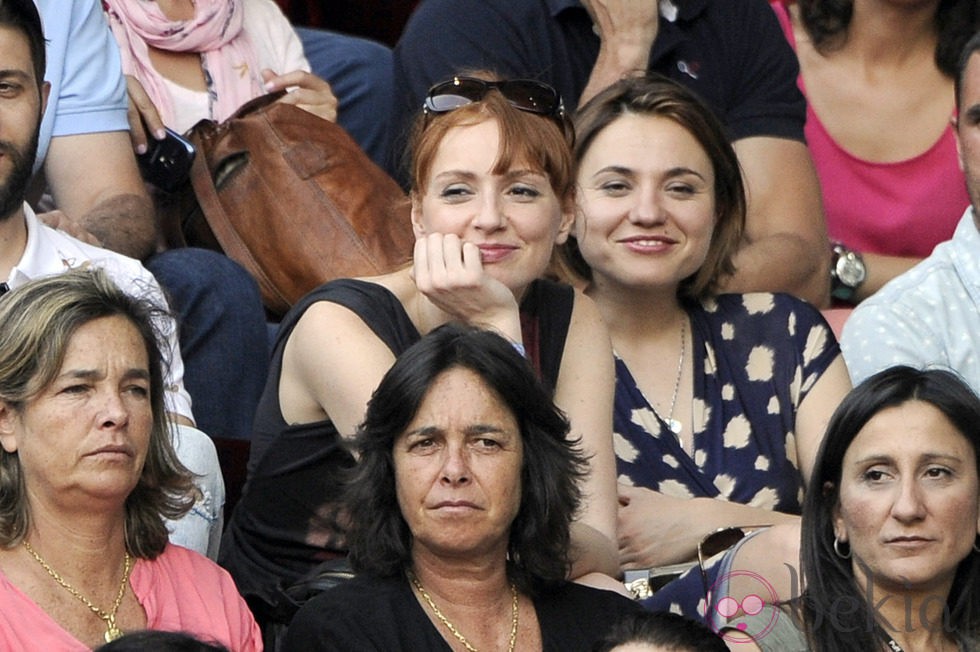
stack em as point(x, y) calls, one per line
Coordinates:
point(231, 69)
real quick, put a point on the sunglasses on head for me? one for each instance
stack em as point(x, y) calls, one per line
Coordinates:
point(523, 94)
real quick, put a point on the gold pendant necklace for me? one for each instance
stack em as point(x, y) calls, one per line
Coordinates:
point(452, 628)
point(112, 632)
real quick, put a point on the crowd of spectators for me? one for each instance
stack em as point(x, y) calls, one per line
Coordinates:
point(608, 356)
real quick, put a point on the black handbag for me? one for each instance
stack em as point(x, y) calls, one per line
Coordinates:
point(323, 577)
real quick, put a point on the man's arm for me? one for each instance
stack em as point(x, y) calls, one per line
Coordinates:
point(785, 248)
point(97, 187)
point(84, 145)
point(627, 30)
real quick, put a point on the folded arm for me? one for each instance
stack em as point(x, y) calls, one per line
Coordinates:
point(815, 411)
point(107, 200)
point(785, 247)
point(627, 30)
point(656, 529)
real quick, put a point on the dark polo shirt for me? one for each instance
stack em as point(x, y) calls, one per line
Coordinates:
point(731, 52)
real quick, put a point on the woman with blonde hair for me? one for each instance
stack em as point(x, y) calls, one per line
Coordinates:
point(88, 474)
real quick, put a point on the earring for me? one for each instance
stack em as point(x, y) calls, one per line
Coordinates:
point(837, 551)
point(976, 548)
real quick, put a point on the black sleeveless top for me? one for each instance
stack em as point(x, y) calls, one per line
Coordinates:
point(286, 520)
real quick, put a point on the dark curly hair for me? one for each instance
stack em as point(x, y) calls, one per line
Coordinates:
point(379, 539)
point(828, 577)
point(827, 21)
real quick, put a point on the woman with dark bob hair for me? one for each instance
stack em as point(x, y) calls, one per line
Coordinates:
point(87, 475)
point(721, 399)
point(890, 545)
point(460, 510)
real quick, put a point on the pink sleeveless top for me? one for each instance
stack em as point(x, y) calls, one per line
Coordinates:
point(900, 209)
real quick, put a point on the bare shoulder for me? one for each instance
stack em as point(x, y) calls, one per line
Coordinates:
point(329, 334)
point(331, 363)
point(327, 324)
point(324, 323)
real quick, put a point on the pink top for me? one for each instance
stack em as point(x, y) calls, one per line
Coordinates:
point(180, 590)
point(899, 209)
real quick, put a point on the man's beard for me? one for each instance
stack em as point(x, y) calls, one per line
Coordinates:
point(13, 189)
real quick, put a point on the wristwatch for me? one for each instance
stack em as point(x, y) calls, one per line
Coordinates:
point(847, 273)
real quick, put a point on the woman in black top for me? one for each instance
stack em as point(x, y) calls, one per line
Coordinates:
point(460, 511)
point(491, 198)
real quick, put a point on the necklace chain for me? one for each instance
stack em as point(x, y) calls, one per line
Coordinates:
point(674, 425)
point(112, 632)
point(452, 628)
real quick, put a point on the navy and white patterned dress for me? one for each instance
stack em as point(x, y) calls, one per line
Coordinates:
point(756, 356)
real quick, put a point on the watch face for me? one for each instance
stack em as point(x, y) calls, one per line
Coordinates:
point(850, 270)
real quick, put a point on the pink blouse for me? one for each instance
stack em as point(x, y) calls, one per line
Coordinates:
point(180, 590)
point(900, 209)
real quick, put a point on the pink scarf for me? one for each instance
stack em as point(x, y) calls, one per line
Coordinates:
point(230, 67)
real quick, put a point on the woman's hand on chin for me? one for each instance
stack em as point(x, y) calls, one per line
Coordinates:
point(450, 274)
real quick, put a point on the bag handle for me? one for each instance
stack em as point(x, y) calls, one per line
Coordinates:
point(221, 226)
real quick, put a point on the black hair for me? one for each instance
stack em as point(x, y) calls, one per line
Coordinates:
point(378, 536)
point(669, 631)
point(827, 21)
point(160, 641)
point(827, 576)
point(972, 47)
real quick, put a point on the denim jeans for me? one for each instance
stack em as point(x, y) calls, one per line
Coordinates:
point(222, 334)
point(360, 73)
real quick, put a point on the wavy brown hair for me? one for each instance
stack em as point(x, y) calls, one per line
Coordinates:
point(827, 22)
point(37, 323)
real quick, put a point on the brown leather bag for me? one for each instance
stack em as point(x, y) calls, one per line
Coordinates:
point(290, 197)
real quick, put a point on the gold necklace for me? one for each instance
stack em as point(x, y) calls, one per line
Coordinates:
point(452, 628)
point(112, 632)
